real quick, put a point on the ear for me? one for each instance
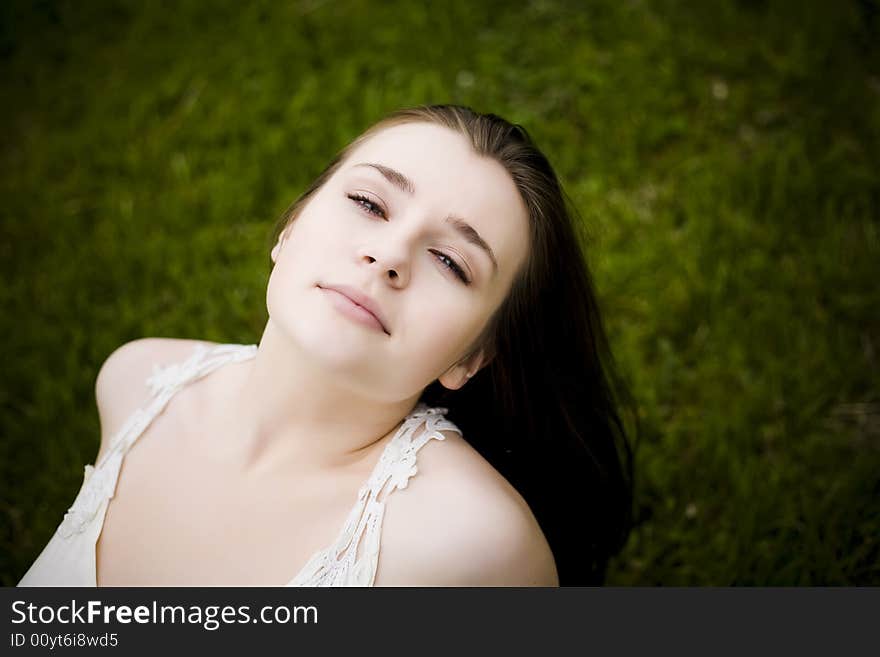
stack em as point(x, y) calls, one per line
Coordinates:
point(460, 373)
point(277, 248)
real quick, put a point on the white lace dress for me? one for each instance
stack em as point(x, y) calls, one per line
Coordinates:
point(351, 560)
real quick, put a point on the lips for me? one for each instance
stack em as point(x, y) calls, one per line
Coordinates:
point(364, 301)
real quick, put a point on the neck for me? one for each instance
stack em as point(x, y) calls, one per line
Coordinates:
point(283, 410)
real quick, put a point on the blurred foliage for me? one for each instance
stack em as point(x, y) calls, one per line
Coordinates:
point(723, 157)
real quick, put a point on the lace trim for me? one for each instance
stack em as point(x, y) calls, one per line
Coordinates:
point(339, 564)
point(99, 481)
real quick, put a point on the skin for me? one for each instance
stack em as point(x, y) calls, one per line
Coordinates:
point(433, 318)
point(267, 455)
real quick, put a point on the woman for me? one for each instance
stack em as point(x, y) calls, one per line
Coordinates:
point(431, 269)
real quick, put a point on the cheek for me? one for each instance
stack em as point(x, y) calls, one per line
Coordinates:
point(325, 220)
point(289, 276)
point(443, 334)
point(276, 288)
point(307, 245)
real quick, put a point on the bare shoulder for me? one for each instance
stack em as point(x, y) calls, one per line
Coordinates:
point(460, 523)
point(120, 387)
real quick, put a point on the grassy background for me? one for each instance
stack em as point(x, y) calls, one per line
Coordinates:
point(723, 155)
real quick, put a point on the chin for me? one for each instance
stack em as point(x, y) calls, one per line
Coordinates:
point(330, 342)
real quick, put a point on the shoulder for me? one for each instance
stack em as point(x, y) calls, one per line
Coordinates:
point(460, 523)
point(121, 388)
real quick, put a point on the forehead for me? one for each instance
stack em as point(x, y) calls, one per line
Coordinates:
point(450, 178)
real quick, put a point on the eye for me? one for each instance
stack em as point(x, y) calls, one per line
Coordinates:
point(452, 265)
point(371, 207)
point(367, 205)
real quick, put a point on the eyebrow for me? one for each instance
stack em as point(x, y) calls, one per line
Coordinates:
point(393, 176)
point(463, 227)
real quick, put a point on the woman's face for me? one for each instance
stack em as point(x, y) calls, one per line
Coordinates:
point(430, 232)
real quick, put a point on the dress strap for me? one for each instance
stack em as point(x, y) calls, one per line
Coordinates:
point(100, 479)
point(353, 558)
point(166, 381)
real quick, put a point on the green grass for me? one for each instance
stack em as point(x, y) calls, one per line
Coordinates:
point(723, 158)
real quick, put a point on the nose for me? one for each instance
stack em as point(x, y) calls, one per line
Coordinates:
point(391, 261)
point(396, 274)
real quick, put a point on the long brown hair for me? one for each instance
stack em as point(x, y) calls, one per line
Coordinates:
point(545, 410)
